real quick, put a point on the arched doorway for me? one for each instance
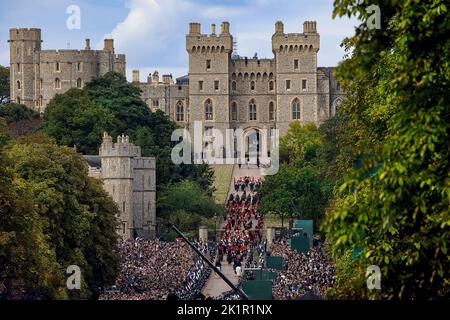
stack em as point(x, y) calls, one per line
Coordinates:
point(253, 144)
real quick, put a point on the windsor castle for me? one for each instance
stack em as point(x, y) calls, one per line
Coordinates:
point(222, 91)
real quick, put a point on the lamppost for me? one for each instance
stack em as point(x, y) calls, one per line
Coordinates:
point(215, 227)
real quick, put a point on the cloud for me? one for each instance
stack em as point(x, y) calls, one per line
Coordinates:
point(226, 12)
point(153, 32)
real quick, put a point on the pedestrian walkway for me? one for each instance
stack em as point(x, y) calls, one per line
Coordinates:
point(216, 286)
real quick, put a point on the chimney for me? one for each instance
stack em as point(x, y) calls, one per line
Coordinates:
point(155, 77)
point(167, 79)
point(309, 27)
point(136, 76)
point(279, 27)
point(88, 44)
point(194, 28)
point(109, 45)
point(225, 28)
point(213, 29)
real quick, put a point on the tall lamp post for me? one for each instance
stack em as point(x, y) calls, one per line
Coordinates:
point(215, 227)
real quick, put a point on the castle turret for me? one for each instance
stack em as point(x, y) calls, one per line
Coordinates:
point(109, 45)
point(296, 65)
point(25, 45)
point(136, 76)
point(117, 174)
point(209, 65)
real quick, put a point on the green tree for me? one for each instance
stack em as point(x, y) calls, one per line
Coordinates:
point(187, 205)
point(73, 119)
point(13, 112)
point(78, 218)
point(397, 80)
point(295, 192)
point(4, 84)
point(29, 267)
point(301, 143)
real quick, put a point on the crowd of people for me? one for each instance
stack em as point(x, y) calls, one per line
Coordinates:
point(154, 270)
point(243, 222)
point(197, 276)
point(243, 183)
point(151, 270)
point(310, 272)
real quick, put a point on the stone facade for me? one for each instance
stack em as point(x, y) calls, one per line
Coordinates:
point(222, 90)
point(37, 75)
point(131, 181)
point(225, 91)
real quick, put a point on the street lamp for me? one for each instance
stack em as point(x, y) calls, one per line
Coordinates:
point(215, 227)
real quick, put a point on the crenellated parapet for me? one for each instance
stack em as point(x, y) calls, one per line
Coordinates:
point(308, 41)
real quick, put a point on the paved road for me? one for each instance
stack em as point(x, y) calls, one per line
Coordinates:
point(215, 286)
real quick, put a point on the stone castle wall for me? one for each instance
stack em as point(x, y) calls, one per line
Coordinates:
point(38, 75)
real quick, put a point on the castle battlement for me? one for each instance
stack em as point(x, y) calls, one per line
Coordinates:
point(38, 75)
point(122, 148)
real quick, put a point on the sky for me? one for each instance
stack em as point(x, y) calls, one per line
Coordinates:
point(152, 33)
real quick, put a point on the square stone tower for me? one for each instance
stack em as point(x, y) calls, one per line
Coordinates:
point(25, 45)
point(296, 74)
point(131, 182)
point(209, 65)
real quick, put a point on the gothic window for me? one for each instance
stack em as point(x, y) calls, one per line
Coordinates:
point(271, 111)
point(19, 85)
point(57, 67)
point(271, 86)
point(252, 86)
point(79, 66)
point(233, 86)
point(234, 115)
point(296, 113)
point(180, 111)
point(208, 110)
point(252, 110)
point(18, 67)
point(57, 83)
point(79, 83)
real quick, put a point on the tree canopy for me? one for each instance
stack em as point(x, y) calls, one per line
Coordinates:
point(4, 84)
point(54, 216)
point(109, 103)
point(396, 111)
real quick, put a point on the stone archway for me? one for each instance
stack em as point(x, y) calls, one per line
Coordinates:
point(253, 144)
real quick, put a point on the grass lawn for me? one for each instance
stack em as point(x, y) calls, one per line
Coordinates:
point(272, 221)
point(222, 179)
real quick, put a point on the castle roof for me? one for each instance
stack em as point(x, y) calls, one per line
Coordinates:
point(93, 161)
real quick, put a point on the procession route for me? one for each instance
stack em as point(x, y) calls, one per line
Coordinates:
point(215, 286)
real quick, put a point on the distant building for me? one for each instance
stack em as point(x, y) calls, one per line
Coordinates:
point(37, 75)
point(226, 91)
point(131, 181)
point(222, 90)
